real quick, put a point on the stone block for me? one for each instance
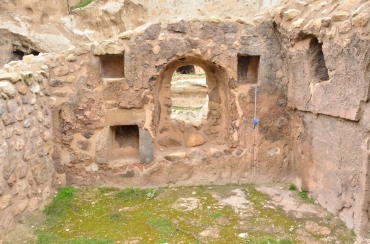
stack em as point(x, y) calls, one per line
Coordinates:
point(145, 146)
point(5, 201)
point(169, 141)
point(176, 156)
point(61, 71)
point(361, 20)
point(195, 140)
point(7, 89)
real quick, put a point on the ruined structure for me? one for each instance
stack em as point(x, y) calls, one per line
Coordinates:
point(100, 114)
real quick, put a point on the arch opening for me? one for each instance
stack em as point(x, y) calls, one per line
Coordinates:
point(189, 94)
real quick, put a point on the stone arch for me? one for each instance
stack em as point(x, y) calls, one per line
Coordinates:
point(214, 129)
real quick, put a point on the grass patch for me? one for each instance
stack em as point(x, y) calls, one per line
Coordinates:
point(186, 108)
point(82, 4)
point(216, 215)
point(163, 225)
point(60, 203)
point(292, 187)
point(304, 196)
point(267, 241)
point(129, 194)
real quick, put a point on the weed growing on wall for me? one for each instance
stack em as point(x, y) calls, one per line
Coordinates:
point(82, 4)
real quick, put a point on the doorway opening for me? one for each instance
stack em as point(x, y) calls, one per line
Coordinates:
point(189, 91)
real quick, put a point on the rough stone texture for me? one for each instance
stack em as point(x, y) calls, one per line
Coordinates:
point(332, 118)
point(312, 109)
point(195, 140)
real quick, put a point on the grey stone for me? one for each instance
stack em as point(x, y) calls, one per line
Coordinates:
point(83, 145)
point(197, 153)
point(11, 105)
point(239, 152)
point(87, 134)
point(146, 146)
point(25, 100)
point(215, 153)
point(180, 27)
point(56, 83)
point(2, 109)
point(151, 32)
point(27, 123)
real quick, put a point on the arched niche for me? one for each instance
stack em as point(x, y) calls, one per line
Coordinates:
point(214, 128)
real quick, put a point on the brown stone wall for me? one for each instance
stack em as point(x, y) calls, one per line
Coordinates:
point(326, 50)
point(224, 148)
point(26, 168)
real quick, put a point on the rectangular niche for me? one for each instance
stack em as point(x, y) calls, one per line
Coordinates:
point(248, 69)
point(112, 66)
point(125, 142)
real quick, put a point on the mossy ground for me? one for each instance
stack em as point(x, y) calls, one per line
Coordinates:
point(107, 215)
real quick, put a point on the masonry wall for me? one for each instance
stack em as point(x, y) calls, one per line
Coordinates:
point(327, 65)
point(26, 168)
point(224, 148)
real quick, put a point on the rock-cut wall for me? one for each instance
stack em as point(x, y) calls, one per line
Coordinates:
point(26, 167)
point(327, 66)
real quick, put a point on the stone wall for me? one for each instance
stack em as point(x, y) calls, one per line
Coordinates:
point(27, 170)
point(224, 148)
point(327, 64)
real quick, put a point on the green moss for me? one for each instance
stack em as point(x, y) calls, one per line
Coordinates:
point(292, 187)
point(186, 108)
point(108, 215)
point(304, 196)
point(82, 4)
point(60, 203)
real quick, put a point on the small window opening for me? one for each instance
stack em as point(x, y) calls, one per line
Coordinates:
point(125, 142)
point(248, 69)
point(189, 99)
point(17, 55)
point(112, 66)
point(317, 61)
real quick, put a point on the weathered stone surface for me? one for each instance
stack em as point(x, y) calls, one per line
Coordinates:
point(28, 78)
point(176, 156)
point(195, 140)
point(169, 141)
point(7, 89)
point(83, 145)
point(71, 58)
point(5, 201)
point(13, 77)
point(108, 47)
point(340, 16)
point(361, 20)
point(345, 27)
point(215, 153)
point(61, 71)
point(291, 14)
point(146, 146)
point(56, 83)
point(126, 35)
point(197, 153)
point(22, 90)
